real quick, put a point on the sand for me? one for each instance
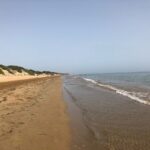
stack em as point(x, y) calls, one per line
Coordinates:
point(18, 78)
point(33, 115)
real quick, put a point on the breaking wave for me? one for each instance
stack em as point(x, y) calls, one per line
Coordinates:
point(131, 95)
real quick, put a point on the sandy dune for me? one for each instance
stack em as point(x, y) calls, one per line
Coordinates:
point(17, 78)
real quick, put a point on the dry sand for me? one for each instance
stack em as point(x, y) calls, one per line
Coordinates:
point(33, 115)
point(18, 78)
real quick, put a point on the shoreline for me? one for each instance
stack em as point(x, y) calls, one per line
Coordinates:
point(39, 114)
point(103, 119)
point(33, 115)
point(119, 91)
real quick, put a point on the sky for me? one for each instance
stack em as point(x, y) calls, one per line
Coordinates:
point(76, 36)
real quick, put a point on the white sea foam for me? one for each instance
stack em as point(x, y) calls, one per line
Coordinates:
point(90, 80)
point(131, 95)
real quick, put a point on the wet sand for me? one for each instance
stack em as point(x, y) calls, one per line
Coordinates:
point(104, 120)
point(33, 115)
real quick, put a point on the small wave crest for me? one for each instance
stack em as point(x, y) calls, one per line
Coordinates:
point(131, 95)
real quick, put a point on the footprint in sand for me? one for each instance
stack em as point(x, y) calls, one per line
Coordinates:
point(3, 99)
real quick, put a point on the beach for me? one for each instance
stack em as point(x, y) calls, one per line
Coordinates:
point(33, 115)
point(70, 113)
point(74, 75)
point(104, 120)
point(4, 79)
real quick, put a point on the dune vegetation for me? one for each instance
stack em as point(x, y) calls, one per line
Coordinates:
point(12, 69)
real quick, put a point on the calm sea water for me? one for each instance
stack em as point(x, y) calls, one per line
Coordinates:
point(135, 85)
point(137, 79)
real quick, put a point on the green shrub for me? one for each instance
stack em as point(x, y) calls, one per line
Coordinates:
point(1, 72)
point(16, 68)
point(6, 68)
point(20, 69)
point(31, 72)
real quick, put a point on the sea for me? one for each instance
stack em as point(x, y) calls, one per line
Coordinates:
point(135, 85)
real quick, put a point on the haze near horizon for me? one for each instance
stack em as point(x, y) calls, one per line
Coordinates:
point(93, 36)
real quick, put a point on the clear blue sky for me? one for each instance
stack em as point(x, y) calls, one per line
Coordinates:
point(77, 36)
